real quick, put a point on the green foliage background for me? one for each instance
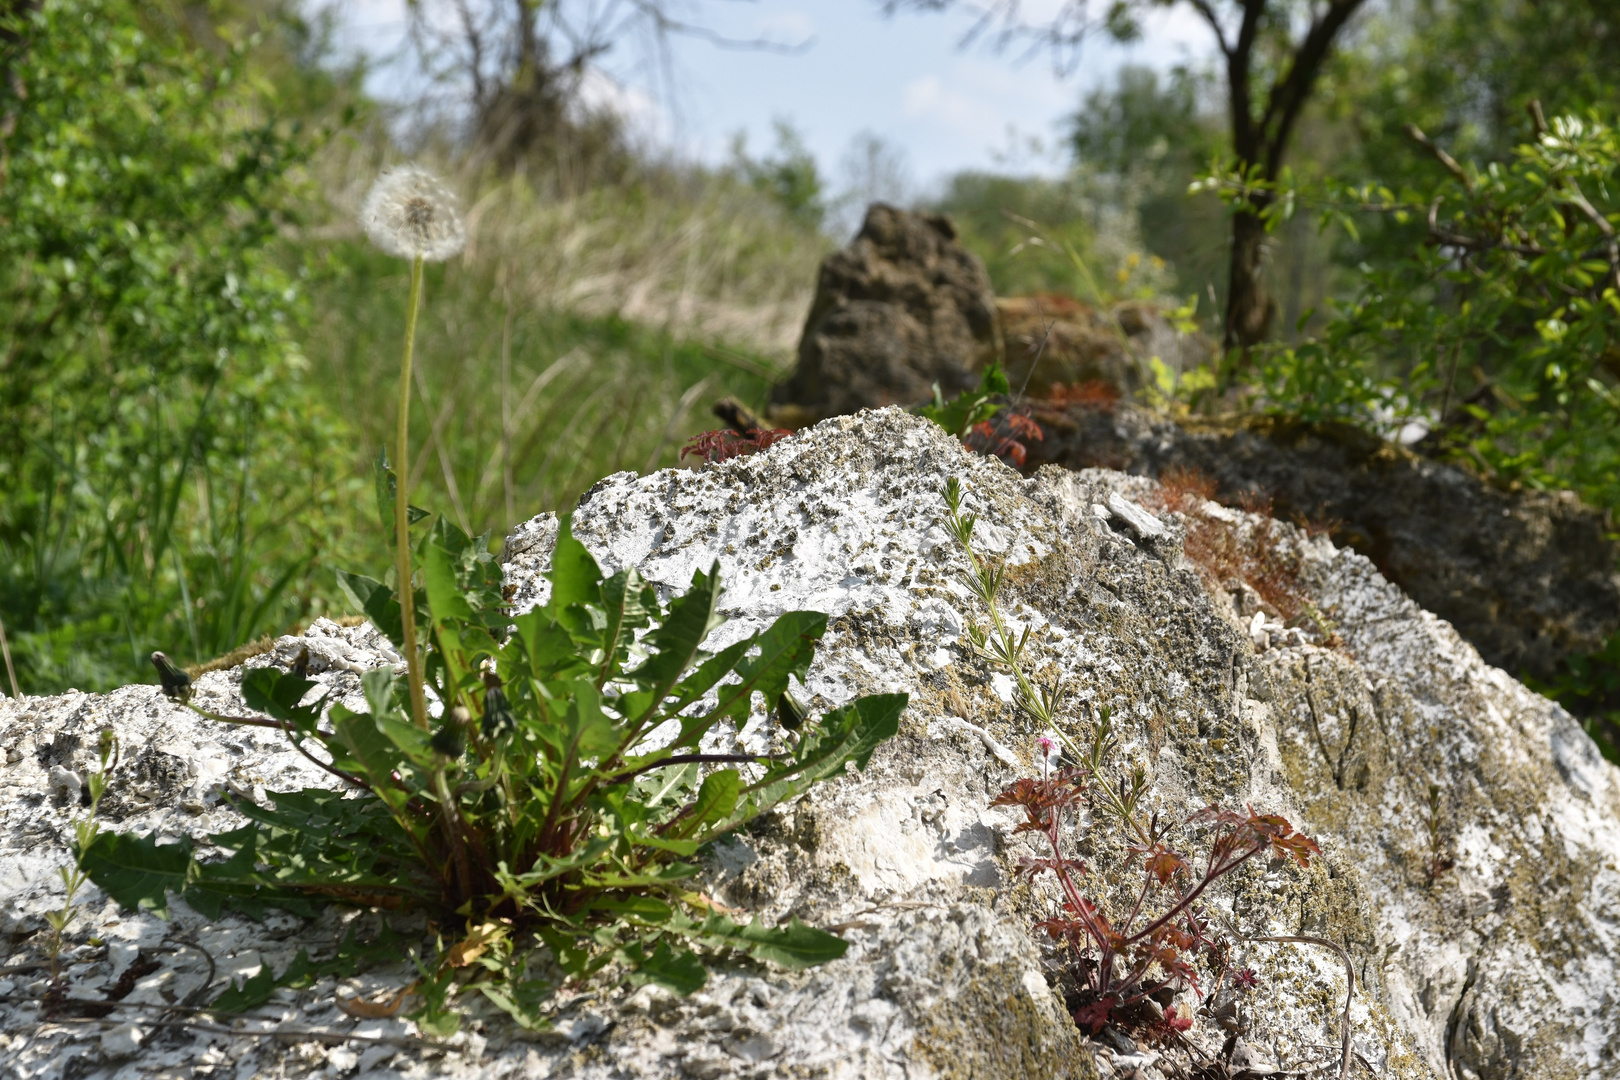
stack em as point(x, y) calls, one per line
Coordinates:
point(161, 479)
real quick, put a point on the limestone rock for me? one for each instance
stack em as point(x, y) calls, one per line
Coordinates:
point(902, 307)
point(1499, 964)
point(1527, 577)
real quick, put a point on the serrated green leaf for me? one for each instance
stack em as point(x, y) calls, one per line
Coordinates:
point(137, 871)
point(679, 971)
point(384, 486)
point(278, 693)
point(524, 1000)
point(660, 875)
point(575, 578)
point(785, 649)
point(250, 993)
point(793, 946)
point(379, 757)
point(376, 602)
point(675, 642)
point(629, 604)
point(656, 787)
point(847, 734)
point(648, 910)
point(715, 801)
point(303, 972)
point(445, 599)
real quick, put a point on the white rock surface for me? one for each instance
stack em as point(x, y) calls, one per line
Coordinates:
point(1500, 965)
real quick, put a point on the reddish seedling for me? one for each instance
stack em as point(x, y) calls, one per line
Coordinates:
point(1006, 435)
point(723, 444)
point(1149, 951)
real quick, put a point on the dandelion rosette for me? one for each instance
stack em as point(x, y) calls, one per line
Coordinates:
point(409, 213)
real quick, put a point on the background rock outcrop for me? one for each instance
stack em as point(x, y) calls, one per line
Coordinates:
point(1470, 832)
point(1527, 577)
point(902, 307)
point(1054, 340)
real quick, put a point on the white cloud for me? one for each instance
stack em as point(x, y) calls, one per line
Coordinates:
point(636, 107)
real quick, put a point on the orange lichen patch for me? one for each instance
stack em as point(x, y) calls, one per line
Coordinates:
point(1224, 552)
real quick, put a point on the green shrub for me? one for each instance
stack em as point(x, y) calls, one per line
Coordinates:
point(1496, 329)
point(160, 474)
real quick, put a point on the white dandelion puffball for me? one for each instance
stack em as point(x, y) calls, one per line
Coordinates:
point(409, 213)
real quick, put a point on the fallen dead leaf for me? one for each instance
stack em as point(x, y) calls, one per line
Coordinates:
point(362, 1009)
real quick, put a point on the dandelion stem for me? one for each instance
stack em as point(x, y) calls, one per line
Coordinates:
point(402, 520)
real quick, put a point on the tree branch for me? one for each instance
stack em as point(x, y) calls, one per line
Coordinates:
point(1203, 8)
point(1288, 96)
point(1415, 133)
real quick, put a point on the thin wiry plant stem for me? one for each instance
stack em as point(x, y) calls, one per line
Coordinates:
point(402, 521)
point(11, 672)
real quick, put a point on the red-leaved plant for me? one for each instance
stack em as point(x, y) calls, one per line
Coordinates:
point(724, 444)
point(1006, 436)
point(1151, 950)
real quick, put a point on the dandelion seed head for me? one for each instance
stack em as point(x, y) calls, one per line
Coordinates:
point(408, 212)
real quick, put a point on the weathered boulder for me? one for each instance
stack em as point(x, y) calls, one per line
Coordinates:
point(902, 307)
point(1470, 832)
point(1527, 577)
point(1055, 340)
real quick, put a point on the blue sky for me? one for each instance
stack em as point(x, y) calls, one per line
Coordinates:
point(905, 79)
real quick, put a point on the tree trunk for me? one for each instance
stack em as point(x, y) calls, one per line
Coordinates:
point(1249, 307)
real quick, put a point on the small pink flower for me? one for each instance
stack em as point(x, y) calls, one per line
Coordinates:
point(1049, 750)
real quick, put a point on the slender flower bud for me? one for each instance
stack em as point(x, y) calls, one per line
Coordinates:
point(409, 213)
point(450, 740)
point(498, 719)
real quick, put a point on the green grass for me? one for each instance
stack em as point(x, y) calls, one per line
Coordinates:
point(519, 408)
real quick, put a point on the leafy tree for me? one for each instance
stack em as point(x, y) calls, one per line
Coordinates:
point(519, 67)
point(789, 176)
point(872, 169)
point(1274, 55)
point(991, 211)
